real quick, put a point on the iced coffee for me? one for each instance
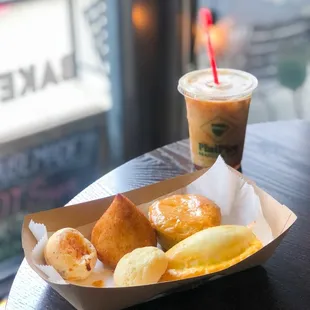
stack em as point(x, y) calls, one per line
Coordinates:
point(217, 114)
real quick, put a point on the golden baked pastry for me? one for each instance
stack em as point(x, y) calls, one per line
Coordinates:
point(210, 250)
point(141, 267)
point(120, 230)
point(180, 216)
point(71, 254)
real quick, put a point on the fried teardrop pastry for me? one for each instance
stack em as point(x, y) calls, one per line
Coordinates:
point(120, 230)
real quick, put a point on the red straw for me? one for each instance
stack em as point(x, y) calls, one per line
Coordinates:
point(206, 20)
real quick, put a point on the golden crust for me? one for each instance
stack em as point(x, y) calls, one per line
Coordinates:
point(179, 216)
point(120, 230)
point(209, 251)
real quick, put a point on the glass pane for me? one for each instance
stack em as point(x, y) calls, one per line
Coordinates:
point(270, 39)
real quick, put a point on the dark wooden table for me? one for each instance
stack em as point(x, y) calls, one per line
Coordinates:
point(277, 157)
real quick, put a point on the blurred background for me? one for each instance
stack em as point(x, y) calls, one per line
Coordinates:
point(86, 85)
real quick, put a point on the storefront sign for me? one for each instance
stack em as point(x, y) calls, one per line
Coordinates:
point(30, 81)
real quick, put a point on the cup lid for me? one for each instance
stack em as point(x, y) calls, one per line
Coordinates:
point(234, 84)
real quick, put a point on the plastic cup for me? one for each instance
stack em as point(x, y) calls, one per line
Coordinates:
point(217, 114)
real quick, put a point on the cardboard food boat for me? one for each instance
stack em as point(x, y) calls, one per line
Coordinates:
point(83, 217)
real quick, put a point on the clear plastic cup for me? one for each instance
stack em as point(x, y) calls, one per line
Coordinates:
point(217, 114)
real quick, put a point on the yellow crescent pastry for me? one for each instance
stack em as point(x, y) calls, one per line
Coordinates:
point(210, 250)
point(179, 216)
point(71, 254)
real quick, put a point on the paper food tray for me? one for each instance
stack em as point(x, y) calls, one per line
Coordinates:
point(275, 221)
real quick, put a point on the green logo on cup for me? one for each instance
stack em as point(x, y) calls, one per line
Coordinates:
point(219, 129)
